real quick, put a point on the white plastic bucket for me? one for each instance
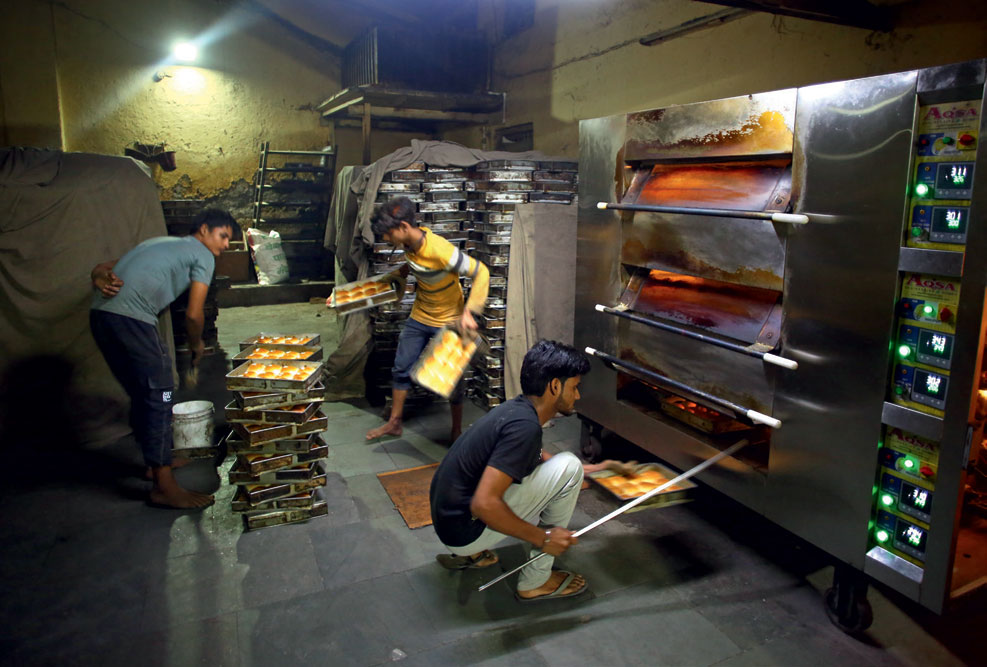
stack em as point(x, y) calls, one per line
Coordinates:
point(192, 424)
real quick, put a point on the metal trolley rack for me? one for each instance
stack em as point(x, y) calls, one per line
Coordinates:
point(804, 268)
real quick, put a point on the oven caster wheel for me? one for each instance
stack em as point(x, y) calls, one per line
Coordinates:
point(846, 602)
point(590, 440)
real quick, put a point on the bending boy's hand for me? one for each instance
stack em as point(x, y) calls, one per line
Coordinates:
point(108, 283)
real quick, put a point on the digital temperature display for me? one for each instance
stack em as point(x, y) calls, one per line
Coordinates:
point(949, 219)
point(915, 501)
point(954, 180)
point(929, 388)
point(911, 536)
point(935, 344)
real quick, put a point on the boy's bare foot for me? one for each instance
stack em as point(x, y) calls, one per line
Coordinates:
point(551, 587)
point(167, 492)
point(391, 427)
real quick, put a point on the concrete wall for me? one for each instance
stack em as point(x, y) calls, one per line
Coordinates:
point(79, 75)
point(583, 60)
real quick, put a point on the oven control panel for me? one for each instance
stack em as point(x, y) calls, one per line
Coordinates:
point(925, 341)
point(942, 186)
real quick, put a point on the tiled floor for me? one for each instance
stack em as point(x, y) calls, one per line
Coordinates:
point(91, 575)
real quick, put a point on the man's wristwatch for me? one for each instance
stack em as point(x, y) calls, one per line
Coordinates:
point(548, 538)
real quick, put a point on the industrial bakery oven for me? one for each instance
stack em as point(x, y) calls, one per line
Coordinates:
point(804, 269)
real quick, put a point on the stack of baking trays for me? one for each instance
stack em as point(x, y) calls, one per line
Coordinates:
point(276, 431)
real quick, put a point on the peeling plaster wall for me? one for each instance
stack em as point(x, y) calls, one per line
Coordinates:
point(84, 69)
point(583, 60)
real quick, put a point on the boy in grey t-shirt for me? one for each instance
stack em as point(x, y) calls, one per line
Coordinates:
point(132, 292)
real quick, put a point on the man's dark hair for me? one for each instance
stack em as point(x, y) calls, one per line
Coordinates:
point(391, 214)
point(213, 218)
point(547, 360)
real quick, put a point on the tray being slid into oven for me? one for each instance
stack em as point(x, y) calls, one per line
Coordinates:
point(649, 476)
point(255, 433)
point(255, 464)
point(282, 375)
point(292, 414)
point(252, 401)
point(296, 340)
point(271, 352)
point(297, 445)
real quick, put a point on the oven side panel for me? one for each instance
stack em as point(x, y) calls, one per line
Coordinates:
point(850, 176)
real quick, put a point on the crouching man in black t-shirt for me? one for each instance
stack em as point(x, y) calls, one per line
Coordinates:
point(496, 482)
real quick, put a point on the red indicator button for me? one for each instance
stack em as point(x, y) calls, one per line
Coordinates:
point(926, 471)
point(967, 139)
point(945, 315)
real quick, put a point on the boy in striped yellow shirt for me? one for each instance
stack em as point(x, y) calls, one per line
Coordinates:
point(437, 266)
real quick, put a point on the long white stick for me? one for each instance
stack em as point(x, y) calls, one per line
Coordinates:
point(634, 503)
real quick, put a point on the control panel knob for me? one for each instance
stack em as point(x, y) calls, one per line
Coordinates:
point(945, 315)
point(926, 471)
point(967, 139)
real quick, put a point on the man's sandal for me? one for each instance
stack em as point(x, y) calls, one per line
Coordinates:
point(559, 593)
point(483, 559)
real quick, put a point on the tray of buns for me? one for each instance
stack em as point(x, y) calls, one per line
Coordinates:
point(256, 433)
point(288, 375)
point(296, 445)
point(442, 363)
point(296, 340)
point(276, 352)
point(363, 294)
point(647, 476)
point(255, 464)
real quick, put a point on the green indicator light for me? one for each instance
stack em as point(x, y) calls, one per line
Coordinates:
point(887, 500)
point(909, 464)
point(916, 231)
point(929, 311)
point(904, 351)
point(882, 536)
point(921, 189)
point(898, 389)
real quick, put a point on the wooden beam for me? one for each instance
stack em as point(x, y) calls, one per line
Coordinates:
point(366, 133)
point(424, 114)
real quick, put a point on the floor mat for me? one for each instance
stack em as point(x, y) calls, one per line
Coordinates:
point(408, 490)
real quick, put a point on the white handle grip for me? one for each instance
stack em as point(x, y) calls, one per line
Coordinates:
point(790, 218)
point(591, 350)
point(780, 361)
point(759, 418)
point(601, 205)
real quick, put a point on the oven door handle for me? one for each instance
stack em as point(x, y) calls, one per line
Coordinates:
point(765, 356)
point(789, 218)
point(753, 415)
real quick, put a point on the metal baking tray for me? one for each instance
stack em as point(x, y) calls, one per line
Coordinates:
point(300, 472)
point(432, 217)
point(387, 248)
point(488, 361)
point(495, 244)
point(555, 176)
point(258, 520)
point(551, 198)
point(441, 365)
point(485, 381)
point(387, 327)
point(402, 188)
point(237, 380)
point(452, 186)
point(303, 500)
point(414, 197)
point(405, 176)
point(303, 352)
point(450, 226)
point(547, 186)
point(255, 464)
point(503, 186)
point(303, 339)
point(505, 175)
point(437, 206)
point(649, 476)
point(451, 195)
point(498, 198)
point(298, 445)
point(388, 258)
point(494, 228)
point(263, 400)
point(504, 218)
point(293, 414)
point(487, 401)
point(479, 204)
point(699, 416)
point(196, 452)
point(525, 165)
point(262, 493)
point(257, 433)
point(451, 175)
point(492, 260)
point(364, 302)
point(498, 281)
